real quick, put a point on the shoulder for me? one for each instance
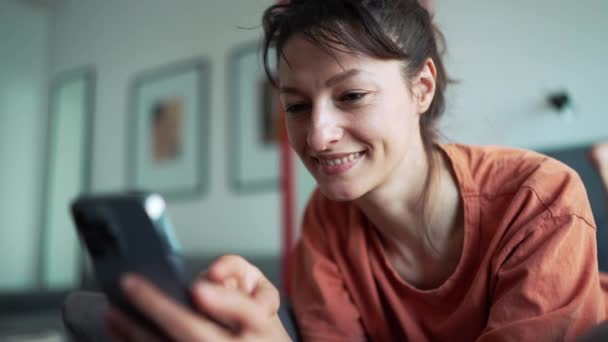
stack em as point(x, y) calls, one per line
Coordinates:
point(524, 177)
point(492, 170)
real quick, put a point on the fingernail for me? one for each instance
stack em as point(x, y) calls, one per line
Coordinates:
point(128, 282)
point(207, 290)
point(231, 283)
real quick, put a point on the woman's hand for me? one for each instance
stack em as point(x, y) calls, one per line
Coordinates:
point(232, 292)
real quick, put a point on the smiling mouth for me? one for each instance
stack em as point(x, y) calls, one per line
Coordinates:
point(337, 164)
point(340, 160)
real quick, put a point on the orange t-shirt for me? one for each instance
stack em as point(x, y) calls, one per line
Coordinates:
point(528, 269)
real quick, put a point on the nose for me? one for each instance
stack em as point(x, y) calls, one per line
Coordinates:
point(325, 130)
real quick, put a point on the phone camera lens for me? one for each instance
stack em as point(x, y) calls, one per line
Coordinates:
point(100, 239)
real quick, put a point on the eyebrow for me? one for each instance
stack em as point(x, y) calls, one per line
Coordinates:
point(341, 77)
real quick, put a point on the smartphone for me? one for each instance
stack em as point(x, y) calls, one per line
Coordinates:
point(131, 232)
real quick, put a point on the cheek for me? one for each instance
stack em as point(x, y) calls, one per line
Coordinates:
point(386, 128)
point(296, 133)
point(373, 127)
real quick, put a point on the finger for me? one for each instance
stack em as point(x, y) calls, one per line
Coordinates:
point(176, 320)
point(234, 266)
point(124, 328)
point(230, 307)
point(267, 297)
point(230, 282)
point(255, 283)
point(228, 324)
point(226, 269)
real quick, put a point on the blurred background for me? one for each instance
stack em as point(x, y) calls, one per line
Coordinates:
point(80, 80)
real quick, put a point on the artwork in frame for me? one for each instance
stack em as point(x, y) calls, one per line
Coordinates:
point(168, 130)
point(254, 125)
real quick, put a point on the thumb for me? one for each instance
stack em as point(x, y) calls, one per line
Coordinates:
point(234, 271)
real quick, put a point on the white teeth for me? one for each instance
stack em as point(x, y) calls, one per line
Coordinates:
point(340, 161)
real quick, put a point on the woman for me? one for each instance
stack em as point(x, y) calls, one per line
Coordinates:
point(405, 238)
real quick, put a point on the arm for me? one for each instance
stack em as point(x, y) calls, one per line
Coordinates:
point(547, 285)
point(323, 307)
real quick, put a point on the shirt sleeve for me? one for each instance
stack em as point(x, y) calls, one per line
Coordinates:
point(547, 287)
point(322, 305)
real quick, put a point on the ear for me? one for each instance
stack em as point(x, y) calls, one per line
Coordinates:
point(429, 6)
point(424, 86)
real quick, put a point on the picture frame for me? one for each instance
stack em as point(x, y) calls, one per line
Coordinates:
point(68, 169)
point(168, 130)
point(253, 128)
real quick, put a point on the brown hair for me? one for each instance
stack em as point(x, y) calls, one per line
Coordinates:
point(384, 29)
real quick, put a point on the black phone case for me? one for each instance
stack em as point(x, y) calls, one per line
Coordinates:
point(122, 235)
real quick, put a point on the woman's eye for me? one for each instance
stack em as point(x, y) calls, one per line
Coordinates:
point(353, 96)
point(295, 108)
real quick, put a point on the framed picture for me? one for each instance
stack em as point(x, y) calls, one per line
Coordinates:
point(253, 128)
point(67, 174)
point(168, 130)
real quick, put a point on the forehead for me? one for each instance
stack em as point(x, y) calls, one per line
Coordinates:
point(303, 59)
point(299, 53)
point(302, 56)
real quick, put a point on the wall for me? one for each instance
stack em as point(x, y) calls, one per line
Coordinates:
point(509, 55)
point(23, 77)
point(120, 38)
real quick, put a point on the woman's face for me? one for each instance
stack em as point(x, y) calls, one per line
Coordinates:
point(351, 119)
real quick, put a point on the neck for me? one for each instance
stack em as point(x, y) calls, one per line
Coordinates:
point(396, 208)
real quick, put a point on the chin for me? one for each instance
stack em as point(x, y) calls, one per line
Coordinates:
point(339, 194)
